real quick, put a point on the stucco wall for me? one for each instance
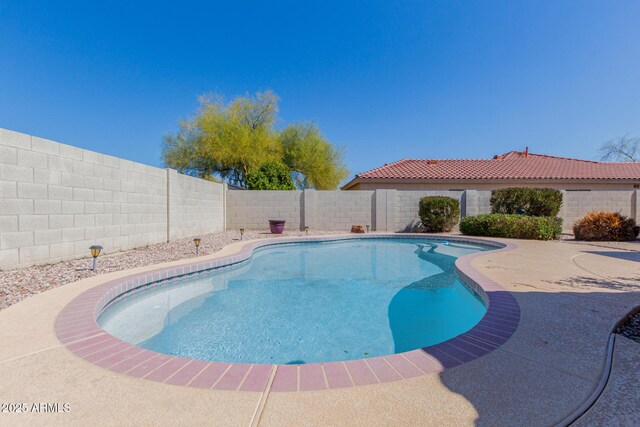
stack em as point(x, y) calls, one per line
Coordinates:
point(56, 200)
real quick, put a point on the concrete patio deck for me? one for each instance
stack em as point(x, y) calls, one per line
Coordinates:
point(570, 297)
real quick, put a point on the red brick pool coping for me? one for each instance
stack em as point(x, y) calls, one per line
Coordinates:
point(77, 329)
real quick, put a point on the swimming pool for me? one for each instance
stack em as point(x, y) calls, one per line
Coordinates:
point(307, 302)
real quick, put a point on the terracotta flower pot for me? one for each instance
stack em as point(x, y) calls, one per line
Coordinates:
point(276, 226)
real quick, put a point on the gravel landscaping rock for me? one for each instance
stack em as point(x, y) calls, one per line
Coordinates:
point(631, 327)
point(16, 285)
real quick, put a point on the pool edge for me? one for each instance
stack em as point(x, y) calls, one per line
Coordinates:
point(77, 329)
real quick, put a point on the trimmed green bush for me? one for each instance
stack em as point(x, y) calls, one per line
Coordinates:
point(439, 213)
point(512, 226)
point(533, 201)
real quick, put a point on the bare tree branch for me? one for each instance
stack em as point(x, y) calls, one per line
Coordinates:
point(623, 149)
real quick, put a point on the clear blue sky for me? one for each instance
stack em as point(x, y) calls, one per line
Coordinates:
point(386, 80)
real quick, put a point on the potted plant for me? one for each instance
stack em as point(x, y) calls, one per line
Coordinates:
point(276, 226)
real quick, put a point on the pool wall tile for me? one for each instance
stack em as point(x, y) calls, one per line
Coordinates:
point(187, 373)
point(443, 358)
point(150, 365)
point(234, 376)
point(474, 350)
point(426, 363)
point(119, 357)
point(109, 351)
point(337, 375)
point(383, 370)
point(133, 361)
point(90, 342)
point(312, 377)
point(360, 372)
point(403, 366)
point(258, 378)
point(210, 375)
point(286, 378)
point(168, 369)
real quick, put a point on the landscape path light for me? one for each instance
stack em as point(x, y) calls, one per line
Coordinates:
point(368, 228)
point(197, 242)
point(241, 233)
point(306, 230)
point(95, 251)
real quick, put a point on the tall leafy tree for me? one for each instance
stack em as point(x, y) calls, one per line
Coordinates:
point(270, 176)
point(315, 163)
point(230, 140)
point(227, 140)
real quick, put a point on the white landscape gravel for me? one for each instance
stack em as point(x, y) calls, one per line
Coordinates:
point(16, 285)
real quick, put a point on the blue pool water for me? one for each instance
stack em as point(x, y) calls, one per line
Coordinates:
point(308, 302)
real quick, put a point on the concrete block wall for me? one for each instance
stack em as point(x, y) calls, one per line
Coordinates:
point(386, 210)
point(319, 210)
point(339, 210)
point(253, 209)
point(578, 203)
point(196, 206)
point(408, 206)
point(575, 203)
point(392, 210)
point(484, 202)
point(383, 210)
point(56, 200)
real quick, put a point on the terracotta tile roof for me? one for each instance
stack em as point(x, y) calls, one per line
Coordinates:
point(514, 165)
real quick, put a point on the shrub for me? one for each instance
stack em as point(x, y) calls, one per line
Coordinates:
point(512, 226)
point(439, 213)
point(270, 176)
point(534, 201)
point(605, 225)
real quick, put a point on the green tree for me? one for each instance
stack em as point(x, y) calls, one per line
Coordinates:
point(315, 163)
point(227, 140)
point(270, 176)
point(230, 140)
